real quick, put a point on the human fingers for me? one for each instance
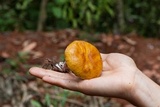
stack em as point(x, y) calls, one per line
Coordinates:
point(64, 80)
point(106, 66)
point(40, 73)
point(103, 56)
point(67, 83)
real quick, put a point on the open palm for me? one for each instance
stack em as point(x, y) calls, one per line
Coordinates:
point(116, 80)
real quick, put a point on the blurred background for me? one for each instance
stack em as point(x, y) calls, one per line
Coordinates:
point(117, 16)
point(33, 30)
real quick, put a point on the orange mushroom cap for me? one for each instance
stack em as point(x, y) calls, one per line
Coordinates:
point(83, 59)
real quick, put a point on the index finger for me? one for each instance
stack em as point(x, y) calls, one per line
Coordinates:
point(40, 73)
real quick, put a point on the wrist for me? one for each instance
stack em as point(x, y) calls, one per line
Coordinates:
point(144, 91)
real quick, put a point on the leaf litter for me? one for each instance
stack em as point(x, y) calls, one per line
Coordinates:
point(19, 89)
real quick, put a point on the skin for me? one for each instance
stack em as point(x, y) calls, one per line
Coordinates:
point(120, 78)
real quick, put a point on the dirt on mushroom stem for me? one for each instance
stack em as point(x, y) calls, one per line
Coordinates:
point(54, 65)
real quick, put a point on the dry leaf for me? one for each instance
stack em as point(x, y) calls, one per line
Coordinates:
point(5, 55)
point(158, 58)
point(107, 39)
point(36, 54)
point(33, 85)
point(29, 47)
point(129, 41)
point(148, 73)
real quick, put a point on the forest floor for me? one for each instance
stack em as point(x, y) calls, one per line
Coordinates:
point(20, 51)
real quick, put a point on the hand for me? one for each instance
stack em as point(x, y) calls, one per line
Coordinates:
point(116, 80)
point(120, 78)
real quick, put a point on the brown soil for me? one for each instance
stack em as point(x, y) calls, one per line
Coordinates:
point(42, 45)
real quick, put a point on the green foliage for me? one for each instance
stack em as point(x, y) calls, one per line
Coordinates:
point(84, 14)
point(143, 16)
point(58, 100)
point(19, 61)
point(47, 100)
point(18, 14)
point(35, 103)
point(89, 15)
